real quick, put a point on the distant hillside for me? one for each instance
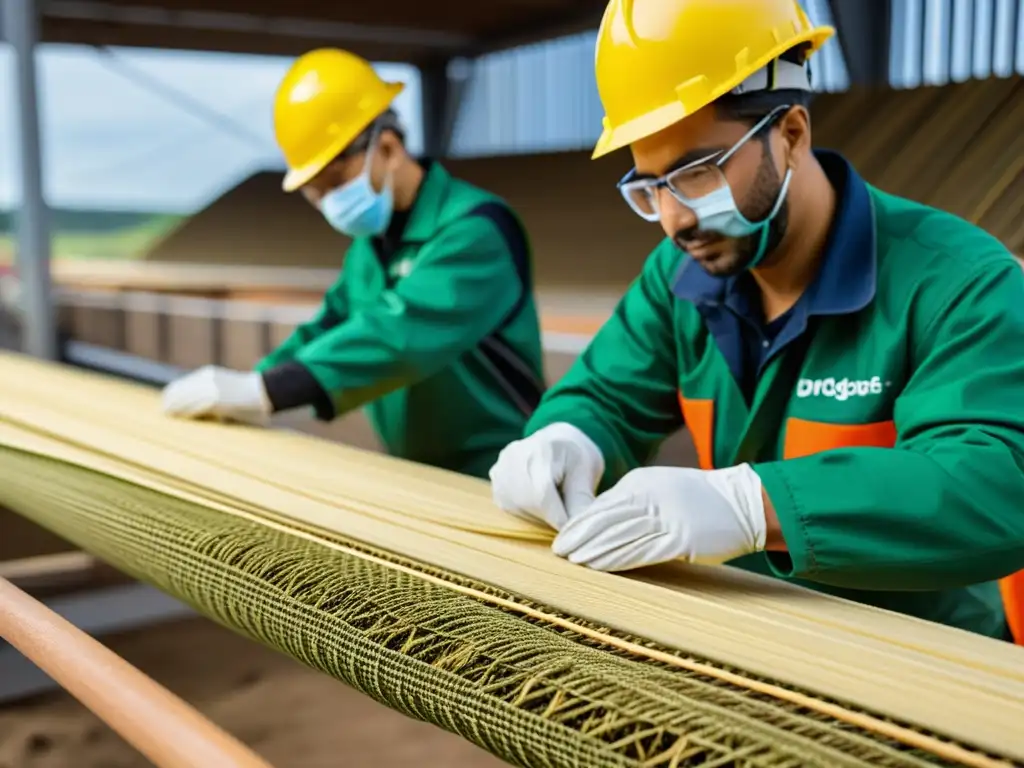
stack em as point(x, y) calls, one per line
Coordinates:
point(85, 234)
point(82, 221)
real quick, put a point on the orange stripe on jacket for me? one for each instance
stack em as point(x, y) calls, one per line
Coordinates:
point(699, 416)
point(804, 438)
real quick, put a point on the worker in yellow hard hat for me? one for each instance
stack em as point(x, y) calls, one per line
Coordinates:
point(849, 363)
point(432, 323)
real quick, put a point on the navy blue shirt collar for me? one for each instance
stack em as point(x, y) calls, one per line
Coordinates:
point(846, 280)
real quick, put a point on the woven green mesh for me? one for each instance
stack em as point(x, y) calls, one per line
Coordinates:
point(526, 692)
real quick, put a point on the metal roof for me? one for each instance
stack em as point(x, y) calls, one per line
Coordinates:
point(942, 41)
point(410, 31)
point(543, 98)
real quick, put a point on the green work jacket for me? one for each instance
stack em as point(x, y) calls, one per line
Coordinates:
point(886, 421)
point(433, 327)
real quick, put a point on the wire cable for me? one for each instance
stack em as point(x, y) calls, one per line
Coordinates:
point(173, 147)
point(113, 61)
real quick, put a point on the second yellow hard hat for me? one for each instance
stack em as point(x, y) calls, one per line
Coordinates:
point(659, 61)
point(324, 102)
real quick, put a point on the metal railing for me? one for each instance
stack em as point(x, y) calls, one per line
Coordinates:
point(153, 337)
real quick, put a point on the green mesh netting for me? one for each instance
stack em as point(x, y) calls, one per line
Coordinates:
point(527, 692)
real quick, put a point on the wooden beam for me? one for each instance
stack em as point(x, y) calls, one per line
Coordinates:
point(169, 732)
point(49, 571)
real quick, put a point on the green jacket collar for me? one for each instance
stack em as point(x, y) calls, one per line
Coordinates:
point(846, 280)
point(427, 213)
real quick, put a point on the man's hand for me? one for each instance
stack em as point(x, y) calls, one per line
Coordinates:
point(219, 393)
point(549, 476)
point(657, 514)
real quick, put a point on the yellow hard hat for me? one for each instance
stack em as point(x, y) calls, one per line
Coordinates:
point(659, 61)
point(325, 101)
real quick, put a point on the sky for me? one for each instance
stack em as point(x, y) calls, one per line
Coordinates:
point(113, 142)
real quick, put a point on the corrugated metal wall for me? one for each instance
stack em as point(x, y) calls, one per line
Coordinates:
point(959, 147)
point(935, 42)
point(533, 99)
point(542, 98)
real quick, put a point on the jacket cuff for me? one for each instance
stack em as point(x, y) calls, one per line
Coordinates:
point(292, 385)
point(798, 559)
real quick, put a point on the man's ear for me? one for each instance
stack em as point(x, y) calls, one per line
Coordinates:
point(391, 149)
point(795, 128)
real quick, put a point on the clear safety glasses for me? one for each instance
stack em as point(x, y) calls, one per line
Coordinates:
point(691, 182)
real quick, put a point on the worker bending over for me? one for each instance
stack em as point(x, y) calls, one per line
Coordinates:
point(432, 321)
point(849, 363)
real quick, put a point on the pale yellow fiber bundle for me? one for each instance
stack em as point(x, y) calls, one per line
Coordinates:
point(959, 686)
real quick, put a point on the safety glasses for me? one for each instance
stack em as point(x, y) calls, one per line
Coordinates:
point(691, 182)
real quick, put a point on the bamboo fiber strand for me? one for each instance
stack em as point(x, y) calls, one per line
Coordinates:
point(952, 752)
point(534, 696)
point(963, 687)
point(148, 716)
point(373, 472)
point(213, 475)
point(925, 742)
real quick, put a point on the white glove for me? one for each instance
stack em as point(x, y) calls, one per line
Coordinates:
point(549, 476)
point(657, 514)
point(213, 392)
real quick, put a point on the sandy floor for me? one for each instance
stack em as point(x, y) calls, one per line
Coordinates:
point(292, 716)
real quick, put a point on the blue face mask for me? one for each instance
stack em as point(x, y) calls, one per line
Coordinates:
point(356, 209)
point(716, 210)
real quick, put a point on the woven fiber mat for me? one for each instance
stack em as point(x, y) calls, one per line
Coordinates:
point(405, 583)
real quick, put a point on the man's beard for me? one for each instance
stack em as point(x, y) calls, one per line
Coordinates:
point(738, 253)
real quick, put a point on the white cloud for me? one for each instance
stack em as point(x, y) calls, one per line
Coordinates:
point(111, 142)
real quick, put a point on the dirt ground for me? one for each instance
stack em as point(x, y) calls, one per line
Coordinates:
point(292, 716)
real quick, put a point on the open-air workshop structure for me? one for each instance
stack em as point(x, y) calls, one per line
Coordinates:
point(950, 72)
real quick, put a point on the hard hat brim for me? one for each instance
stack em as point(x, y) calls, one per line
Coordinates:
point(298, 177)
point(672, 112)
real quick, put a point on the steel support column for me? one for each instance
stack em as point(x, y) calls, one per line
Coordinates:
point(864, 31)
point(39, 326)
point(443, 85)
